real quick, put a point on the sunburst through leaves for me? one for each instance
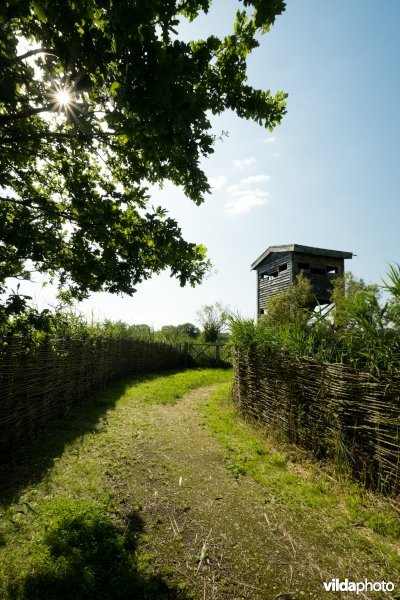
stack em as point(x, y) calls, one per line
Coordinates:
point(62, 97)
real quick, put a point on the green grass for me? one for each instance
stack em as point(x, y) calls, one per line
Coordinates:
point(167, 389)
point(248, 452)
point(79, 551)
point(74, 527)
point(67, 533)
point(297, 483)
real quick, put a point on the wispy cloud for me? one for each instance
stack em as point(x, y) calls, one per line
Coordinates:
point(244, 163)
point(246, 194)
point(243, 203)
point(270, 140)
point(217, 182)
point(254, 179)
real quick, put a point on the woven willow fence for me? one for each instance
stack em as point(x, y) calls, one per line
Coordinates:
point(43, 383)
point(349, 417)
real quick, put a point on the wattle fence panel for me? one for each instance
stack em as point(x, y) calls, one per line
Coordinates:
point(350, 417)
point(42, 383)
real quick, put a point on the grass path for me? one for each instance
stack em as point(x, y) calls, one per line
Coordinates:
point(162, 491)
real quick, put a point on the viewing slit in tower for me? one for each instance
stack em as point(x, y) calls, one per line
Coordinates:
point(278, 267)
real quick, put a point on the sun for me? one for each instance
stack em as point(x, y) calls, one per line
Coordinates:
point(62, 97)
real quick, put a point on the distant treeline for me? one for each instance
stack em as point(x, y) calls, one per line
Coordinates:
point(34, 325)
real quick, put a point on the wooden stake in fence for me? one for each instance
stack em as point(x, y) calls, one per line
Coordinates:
point(186, 354)
point(217, 355)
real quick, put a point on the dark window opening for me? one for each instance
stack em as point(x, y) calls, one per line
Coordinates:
point(318, 270)
point(303, 266)
point(332, 269)
point(282, 268)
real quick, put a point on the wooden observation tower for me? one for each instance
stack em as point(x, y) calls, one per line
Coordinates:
point(278, 267)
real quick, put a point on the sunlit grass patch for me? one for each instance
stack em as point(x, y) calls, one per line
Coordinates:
point(166, 389)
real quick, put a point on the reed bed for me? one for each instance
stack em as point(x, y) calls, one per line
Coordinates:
point(349, 417)
point(42, 382)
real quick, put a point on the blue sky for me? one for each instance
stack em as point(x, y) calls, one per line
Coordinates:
point(327, 177)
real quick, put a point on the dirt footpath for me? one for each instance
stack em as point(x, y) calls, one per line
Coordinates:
point(214, 536)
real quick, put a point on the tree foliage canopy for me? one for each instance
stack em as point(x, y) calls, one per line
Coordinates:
point(290, 306)
point(346, 294)
point(179, 333)
point(99, 99)
point(213, 319)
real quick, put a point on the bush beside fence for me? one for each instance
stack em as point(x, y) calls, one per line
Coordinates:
point(350, 417)
point(42, 383)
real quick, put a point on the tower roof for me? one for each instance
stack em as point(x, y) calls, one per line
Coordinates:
point(300, 249)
